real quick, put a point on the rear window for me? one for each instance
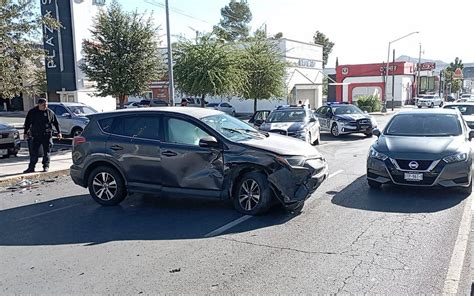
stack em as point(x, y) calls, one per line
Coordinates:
point(434, 125)
point(145, 127)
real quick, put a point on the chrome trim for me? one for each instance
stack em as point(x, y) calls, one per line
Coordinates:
point(429, 169)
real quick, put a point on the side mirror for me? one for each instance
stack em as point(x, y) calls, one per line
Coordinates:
point(66, 115)
point(208, 142)
point(258, 122)
point(312, 119)
point(471, 135)
point(376, 132)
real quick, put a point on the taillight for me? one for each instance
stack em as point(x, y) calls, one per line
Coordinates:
point(78, 140)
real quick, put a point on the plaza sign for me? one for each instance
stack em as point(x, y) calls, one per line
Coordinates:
point(59, 47)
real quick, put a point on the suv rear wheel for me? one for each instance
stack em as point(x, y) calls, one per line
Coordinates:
point(253, 195)
point(76, 131)
point(335, 130)
point(106, 186)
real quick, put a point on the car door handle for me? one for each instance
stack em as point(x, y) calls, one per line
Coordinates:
point(116, 147)
point(169, 153)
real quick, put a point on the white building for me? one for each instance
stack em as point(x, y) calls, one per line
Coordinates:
point(303, 79)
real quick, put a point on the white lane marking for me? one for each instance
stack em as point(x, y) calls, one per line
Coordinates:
point(335, 173)
point(228, 226)
point(47, 212)
point(453, 278)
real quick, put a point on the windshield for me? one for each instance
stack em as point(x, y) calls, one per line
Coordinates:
point(434, 125)
point(287, 116)
point(346, 110)
point(82, 110)
point(232, 128)
point(464, 109)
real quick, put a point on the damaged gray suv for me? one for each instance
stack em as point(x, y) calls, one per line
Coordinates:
point(197, 152)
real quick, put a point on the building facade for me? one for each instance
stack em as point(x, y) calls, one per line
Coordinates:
point(354, 81)
point(66, 82)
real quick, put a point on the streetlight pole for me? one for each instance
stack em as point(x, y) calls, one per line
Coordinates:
point(384, 109)
point(170, 56)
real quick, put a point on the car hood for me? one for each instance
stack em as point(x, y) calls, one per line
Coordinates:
point(420, 147)
point(286, 126)
point(468, 118)
point(6, 128)
point(283, 145)
point(352, 117)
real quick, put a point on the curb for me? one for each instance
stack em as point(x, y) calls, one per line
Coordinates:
point(33, 176)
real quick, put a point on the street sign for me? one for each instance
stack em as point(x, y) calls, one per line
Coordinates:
point(428, 66)
point(458, 74)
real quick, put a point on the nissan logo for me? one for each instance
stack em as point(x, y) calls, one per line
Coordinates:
point(413, 165)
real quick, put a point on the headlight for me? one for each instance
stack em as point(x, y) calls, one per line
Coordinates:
point(377, 155)
point(292, 160)
point(455, 158)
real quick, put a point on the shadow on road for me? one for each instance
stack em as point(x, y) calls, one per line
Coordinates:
point(326, 137)
point(397, 199)
point(79, 220)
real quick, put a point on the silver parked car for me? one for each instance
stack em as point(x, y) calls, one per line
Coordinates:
point(9, 140)
point(223, 107)
point(71, 116)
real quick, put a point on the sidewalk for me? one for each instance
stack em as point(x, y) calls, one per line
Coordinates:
point(11, 169)
point(390, 112)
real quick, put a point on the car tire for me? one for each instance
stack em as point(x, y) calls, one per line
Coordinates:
point(368, 135)
point(374, 184)
point(441, 104)
point(76, 131)
point(419, 107)
point(107, 195)
point(295, 208)
point(335, 130)
point(252, 184)
point(432, 105)
point(318, 140)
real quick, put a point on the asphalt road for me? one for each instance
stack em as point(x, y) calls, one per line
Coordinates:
point(349, 239)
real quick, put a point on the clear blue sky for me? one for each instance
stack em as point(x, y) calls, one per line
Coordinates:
point(361, 29)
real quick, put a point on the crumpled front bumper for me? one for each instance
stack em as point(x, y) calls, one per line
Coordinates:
point(296, 184)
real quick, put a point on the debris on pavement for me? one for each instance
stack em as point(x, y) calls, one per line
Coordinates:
point(175, 270)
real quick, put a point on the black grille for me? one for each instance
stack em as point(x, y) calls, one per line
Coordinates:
point(428, 179)
point(281, 132)
point(422, 164)
point(364, 121)
point(4, 135)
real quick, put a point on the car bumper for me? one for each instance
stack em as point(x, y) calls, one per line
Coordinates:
point(424, 104)
point(77, 176)
point(296, 184)
point(446, 175)
point(351, 129)
point(11, 148)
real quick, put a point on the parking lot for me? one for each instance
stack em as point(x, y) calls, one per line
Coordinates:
point(348, 239)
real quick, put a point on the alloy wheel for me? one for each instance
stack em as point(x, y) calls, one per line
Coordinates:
point(335, 130)
point(105, 186)
point(249, 194)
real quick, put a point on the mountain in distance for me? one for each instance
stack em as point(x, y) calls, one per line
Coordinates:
point(439, 64)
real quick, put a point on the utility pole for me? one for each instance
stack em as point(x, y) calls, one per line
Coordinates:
point(418, 82)
point(170, 56)
point(393, 80)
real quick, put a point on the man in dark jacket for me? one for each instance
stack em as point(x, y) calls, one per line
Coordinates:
point(39, 132)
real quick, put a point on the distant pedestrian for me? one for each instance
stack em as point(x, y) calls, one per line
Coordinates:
point(184, 103)
point(300, 103)
point(39, 124)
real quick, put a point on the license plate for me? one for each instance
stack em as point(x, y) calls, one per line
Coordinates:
point(3, 151)
point(415, 177)
point(364, 127)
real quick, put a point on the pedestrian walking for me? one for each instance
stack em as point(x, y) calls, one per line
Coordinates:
point(39, 123)
point(184, 103)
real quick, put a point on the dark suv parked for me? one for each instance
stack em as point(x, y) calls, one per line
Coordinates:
point(194, 152)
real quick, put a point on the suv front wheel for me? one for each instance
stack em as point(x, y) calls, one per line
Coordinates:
point(253, 195)
point(106, 186)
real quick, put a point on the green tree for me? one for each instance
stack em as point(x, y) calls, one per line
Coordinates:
point(456, 84)
point(265, 70)
point(321, 39)
point(208, 68)
point(234, 22)
point(21, 51)
point(122, 55)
